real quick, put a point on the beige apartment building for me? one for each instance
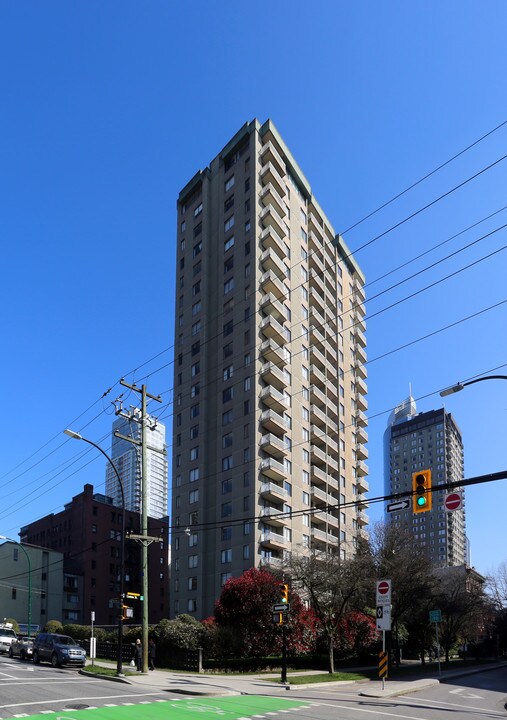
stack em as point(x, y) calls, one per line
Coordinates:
point(269, 380)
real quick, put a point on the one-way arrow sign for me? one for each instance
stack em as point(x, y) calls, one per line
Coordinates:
point(400, 505)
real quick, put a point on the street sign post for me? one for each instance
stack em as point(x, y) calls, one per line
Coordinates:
point(383, 592)
point(399, 505)
point(435, 616)
point(453, 501)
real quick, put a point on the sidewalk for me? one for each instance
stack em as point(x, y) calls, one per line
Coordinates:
point(225, 685)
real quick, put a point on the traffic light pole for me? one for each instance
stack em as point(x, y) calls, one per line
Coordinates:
point(284, 654)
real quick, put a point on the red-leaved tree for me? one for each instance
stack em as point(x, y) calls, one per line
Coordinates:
point(245, 610)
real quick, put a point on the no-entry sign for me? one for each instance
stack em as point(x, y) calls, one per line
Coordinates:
point(384, 592)
point(453, 501)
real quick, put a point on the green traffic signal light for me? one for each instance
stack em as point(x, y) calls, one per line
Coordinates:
point(421, 501)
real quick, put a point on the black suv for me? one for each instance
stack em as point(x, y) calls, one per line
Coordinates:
point(58, 650)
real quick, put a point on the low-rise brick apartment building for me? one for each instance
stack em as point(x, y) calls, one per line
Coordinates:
point(88, 533)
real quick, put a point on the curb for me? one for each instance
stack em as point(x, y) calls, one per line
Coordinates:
point(113, 678)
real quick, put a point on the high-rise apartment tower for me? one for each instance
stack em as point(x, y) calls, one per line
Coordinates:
point(127, 458)
point(269, 424)
point(428, 440)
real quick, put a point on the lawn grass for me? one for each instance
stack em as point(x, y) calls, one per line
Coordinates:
point(327, 677)
point(102, 670)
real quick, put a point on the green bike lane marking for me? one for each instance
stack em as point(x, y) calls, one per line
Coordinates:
point(242, 706)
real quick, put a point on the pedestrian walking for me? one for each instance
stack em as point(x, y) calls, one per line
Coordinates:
point(152, 653)
point(138, 655)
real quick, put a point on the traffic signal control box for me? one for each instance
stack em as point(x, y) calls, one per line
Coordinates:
point(422, 497)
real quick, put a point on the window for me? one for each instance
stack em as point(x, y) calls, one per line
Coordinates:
point(183, 228)
point(227, 394)
point(194, 432)
point(226, 509)
point(247, 226)
point(192, 583)
point(229, 223)
point(229, 183)
point(247, 384)
point(194, 411)
point(227, 463)
point(226, 533)
point(193, 496)
point(196, 308)
point(227, 417)
point(198, 229)
point(227, 440)
point(228, 244)
point(196, 288)
point(227, 350)
point(229, 264)
point(197, 249)
point(195, 348)
point(224, 577)
point(228, 285)
point(192, 561)
point(228, 372)
point(196, 269)
point(195, 369)
point(246, 552)
point(306, 498)
point(226, 486)
point(228, 328)
point(229, 203)
point(247, 247)
point(198, 210)
point(247, 407)
point(194, 390)
point(194, 453)
point(306, 477)
point(247, 184)
point(226, 556)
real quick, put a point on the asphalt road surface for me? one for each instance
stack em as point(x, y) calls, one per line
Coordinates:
point(36, 691)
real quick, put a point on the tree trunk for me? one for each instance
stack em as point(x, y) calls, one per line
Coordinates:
point(331, 655)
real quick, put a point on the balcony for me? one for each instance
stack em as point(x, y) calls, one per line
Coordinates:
point(323, 518)
point(322, 497)
point(271, 261)
point(272, 329)
point(361, 452)
point(273, 398)
point(274, 516)
point(362, 519)
point(272, 491)
point(315, 262)
point(317, 299)
point(273, 422)
point(361, 435)
point(272, 374)
point(317, 376)
point(318, 356)
point(270, 154)
point(274, 446)
point(361, 469)
point(317, 416)
point(359, 308)
point(318, 436)
point(317, 396)
point(274, 353)
point(361, 386)
point(273, 469)
point(273, 540)
point(358, 320)
point(316, 281)
point(270, 176)
point(317, 317)
point(315, 224)
point(361, 402)
point(272, 222)
point(361, 371)
point(324, 537)
point(271, 306)
point(317, 456)
point(359, 336)
point(363, 485)
point(360, 354)
point(361, 502)
point(270, 196)
point(361, 419)
point(271, 283)
point(316, 335)
point(318, 476)
point(364, 534)
point(359, 290)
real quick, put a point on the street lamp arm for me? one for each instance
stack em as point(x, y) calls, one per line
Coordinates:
point(459, 386)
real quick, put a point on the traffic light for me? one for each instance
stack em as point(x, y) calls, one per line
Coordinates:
point(285, 592)
point(421, 488)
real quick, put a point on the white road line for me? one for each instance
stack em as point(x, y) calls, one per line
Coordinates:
point(80, 699)
point(444, 702)
point(364, 710)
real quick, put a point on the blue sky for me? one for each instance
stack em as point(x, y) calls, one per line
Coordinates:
point(109, 108)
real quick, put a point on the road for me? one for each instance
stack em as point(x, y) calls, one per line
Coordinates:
point(31, 692)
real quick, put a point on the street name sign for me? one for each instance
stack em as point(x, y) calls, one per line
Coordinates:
point(435, 616)
point(399, 505)
point(453, 501)
point(383, 617)
point(383, 592)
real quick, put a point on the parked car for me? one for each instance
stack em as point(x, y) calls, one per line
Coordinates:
point(22, 646)
point(58, 650)
point(7, 636)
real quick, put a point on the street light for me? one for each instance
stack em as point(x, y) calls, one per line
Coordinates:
point(29, 624)
point(459, 386)
point(77, 436)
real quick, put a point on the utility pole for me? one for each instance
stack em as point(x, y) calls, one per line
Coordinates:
point(143, 538)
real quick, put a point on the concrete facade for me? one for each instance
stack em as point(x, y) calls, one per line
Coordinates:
point(429, 440)
point(269, 410)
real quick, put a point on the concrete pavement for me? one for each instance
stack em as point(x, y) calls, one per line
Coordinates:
point(223, 685)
